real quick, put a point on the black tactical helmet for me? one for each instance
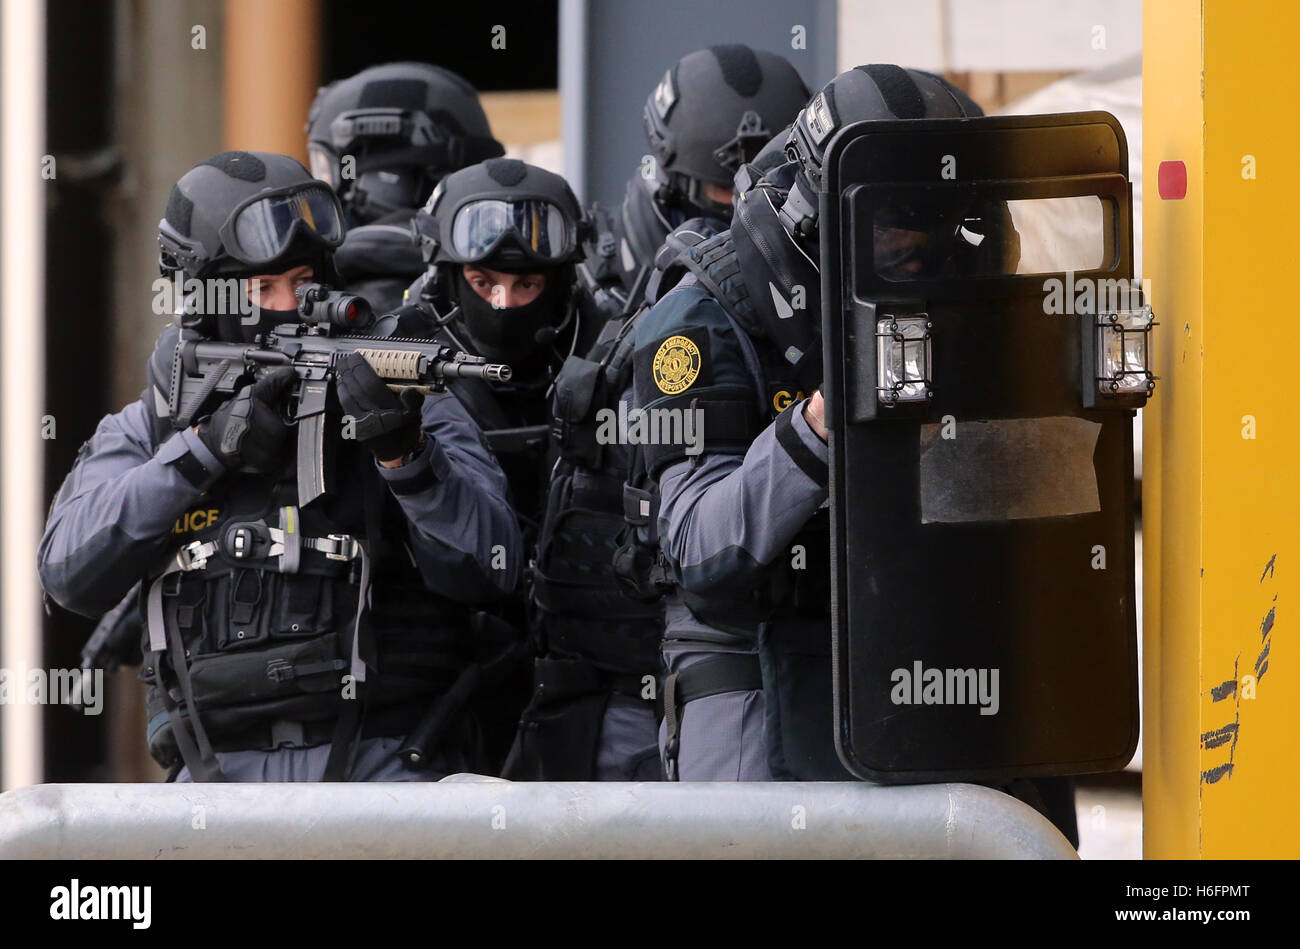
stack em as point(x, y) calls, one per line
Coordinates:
point(245, 213)
point(503, 213)
point(406, 125)
point(781, 274)
point(938, 237)
point(714, 109)
point(774, 227)
point(866, 92)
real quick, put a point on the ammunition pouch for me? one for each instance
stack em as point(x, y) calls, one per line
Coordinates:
point(586, 385)
point(639, 564)
point(244, 694)
point(574, 423)
point(250, 634)
point(574, 585)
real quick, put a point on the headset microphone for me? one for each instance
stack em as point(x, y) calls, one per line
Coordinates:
point(547, 334)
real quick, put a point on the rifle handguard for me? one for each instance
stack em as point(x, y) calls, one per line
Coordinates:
point(392, 363)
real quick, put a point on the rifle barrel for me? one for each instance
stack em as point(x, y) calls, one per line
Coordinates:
point(489, 371)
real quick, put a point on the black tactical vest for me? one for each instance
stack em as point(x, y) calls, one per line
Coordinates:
point(581, 607)
point(267, 641)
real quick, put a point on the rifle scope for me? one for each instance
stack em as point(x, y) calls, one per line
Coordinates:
point(345, 311)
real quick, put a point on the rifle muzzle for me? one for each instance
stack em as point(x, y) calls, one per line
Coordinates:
point(487, 371)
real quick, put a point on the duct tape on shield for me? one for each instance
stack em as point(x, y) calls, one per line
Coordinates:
point(1008, 469)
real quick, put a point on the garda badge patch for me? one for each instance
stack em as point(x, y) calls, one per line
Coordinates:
point(676, 365)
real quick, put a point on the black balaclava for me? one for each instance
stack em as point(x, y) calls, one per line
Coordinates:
point(511, 334)
point(242, 328)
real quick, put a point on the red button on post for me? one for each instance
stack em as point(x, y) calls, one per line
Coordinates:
point(1171, 180)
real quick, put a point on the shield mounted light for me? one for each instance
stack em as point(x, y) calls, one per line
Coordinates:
point(903, 359)
point(1124, 352)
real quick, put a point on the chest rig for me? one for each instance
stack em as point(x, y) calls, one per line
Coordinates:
point(583, 609)
point(273, 625)
point(593, 643)
point(586, 605)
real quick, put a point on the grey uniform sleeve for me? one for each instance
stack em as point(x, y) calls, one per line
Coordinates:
point(721, 522)
point(111, 521)
point(464, 535)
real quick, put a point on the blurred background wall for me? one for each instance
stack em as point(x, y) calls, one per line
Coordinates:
point(614, 52)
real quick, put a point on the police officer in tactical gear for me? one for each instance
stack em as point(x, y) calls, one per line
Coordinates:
point(500, 239)
point(382, 139)
point(743, 528)
point(594, 708)
point(263, 667)
point(714, 109)
point(594, 713)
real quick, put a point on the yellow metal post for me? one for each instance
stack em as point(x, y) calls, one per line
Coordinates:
point(272, 67)
point(1221, 762)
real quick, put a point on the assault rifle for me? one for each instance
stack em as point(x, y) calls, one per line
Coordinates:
point(205, 372)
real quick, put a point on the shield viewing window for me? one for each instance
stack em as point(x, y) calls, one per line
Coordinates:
point(903, 359)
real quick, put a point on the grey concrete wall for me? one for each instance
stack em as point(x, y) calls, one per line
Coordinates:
point(613, 52)
point(169, 119)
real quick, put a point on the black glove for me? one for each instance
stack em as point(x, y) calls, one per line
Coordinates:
point(247, 432)
point(386, 423)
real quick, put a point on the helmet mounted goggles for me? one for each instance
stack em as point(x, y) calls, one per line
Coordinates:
point(532, 229)
point(263, 227)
